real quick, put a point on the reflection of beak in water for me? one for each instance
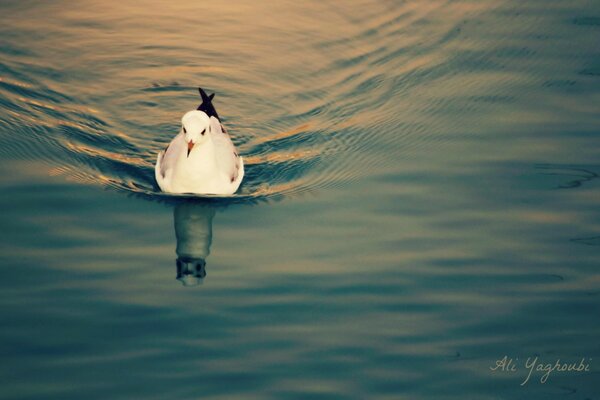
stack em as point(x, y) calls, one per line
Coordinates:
point(193, 230)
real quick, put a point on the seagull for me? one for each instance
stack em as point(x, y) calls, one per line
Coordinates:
point(201, 159)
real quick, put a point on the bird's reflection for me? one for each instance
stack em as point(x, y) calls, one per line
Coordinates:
point(193, 230)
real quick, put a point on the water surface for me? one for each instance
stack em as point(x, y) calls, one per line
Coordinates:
point(421, 199)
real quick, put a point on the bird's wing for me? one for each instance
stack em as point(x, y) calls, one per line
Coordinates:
point(171, 153)
point(228, 158)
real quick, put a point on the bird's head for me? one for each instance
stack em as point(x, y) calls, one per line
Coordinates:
point(195, 126)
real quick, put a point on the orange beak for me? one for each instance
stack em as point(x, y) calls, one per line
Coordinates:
point(190, 146)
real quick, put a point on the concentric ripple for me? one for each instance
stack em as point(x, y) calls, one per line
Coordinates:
point(396, 70)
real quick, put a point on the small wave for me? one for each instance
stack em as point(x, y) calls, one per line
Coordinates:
point(572, 176)
point(304, 127)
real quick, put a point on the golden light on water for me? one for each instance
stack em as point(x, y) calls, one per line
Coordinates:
point(420, 198)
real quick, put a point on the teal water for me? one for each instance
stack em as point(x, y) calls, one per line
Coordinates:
point(421, 200)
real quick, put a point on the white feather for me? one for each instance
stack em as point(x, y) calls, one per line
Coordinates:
point(212, 166)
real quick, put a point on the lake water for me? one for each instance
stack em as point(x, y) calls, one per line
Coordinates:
point(421, 200)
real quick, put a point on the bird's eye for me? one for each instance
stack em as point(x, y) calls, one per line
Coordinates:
point(184, 131)
point(204, 130)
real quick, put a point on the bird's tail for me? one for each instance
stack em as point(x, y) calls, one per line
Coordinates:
point(207, 105)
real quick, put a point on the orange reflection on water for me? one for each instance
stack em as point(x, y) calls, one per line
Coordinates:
point(282, 135)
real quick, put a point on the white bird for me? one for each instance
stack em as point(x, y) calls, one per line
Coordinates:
point(201, 159)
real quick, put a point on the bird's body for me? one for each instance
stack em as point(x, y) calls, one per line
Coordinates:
point(201, 159)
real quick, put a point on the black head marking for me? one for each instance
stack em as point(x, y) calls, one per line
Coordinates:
point(207, 105)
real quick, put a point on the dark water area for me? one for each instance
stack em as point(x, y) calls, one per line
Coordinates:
point(420, 201)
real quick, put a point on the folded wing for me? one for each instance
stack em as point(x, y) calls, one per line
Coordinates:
point(227, 156)
point(175, 147)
